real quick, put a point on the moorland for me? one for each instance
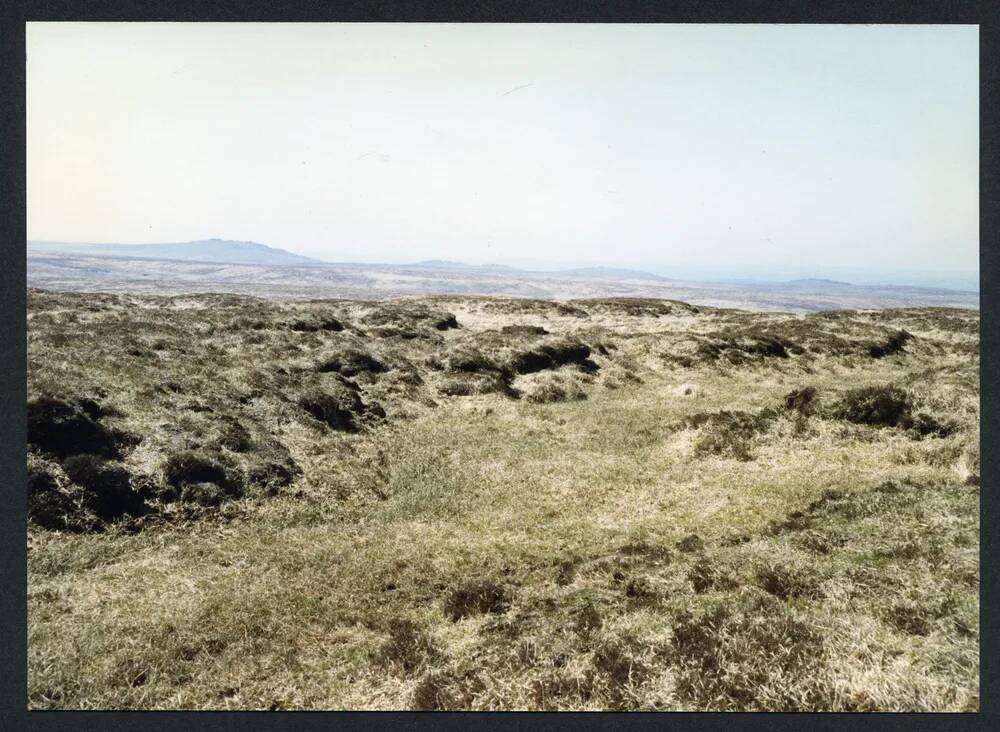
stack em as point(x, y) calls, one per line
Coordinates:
point(487, 503)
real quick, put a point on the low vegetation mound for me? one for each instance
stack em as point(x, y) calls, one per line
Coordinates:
point(523, 330)
point(801, 400)
point(408, 317)
point(352, 363)
point(889, 406)
point(408, 647)
point(94, 494)
point(476, 598)
point(64, 427)
point(316, 324)
point(729, 434)
point(107, 487)
point(552, 389)
point(893, 344)
point(751, 654)
point(553, 355)
point(202, 478)
point(338, 405)
point(739, 346)
point(51, 507)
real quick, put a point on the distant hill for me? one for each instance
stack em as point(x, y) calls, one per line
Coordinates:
point(201, 266)
point(206, 250)
point(810, 283)
point(817, 282)
point(459, 266)
point(611, 273)
point(597, 273)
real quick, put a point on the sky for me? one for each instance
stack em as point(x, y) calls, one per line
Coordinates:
point(762, 151)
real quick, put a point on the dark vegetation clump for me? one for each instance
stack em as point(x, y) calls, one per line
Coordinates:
point(495, 376)
point(691, 543)
point(893, 344)
point(408, 647)
point(100, 493)
point(523, 330)
point(476, 598)
point(238, 324)
point(446, 322)
point(800, 520)
point(64, 427)
point(316, 324)
point(729, 434)
point(107, 487)
point(711, 350)
point(918, 617)
point(709, 574)
point(565, 572)
point(443, 690)
point(911, 618)
point(271, 476)
point(51, 508)
point(810, 335)
point(736, 346)
point(405, 334)
point(881, 406)
point(638, 307)
point(488, 383)
point(338, 411)
point(554, 355)
point(913, 547)
point(640, 589)
point(750, 655)
point(801, 400)
point(571, 310)
point(617, 663)
point(352, 363)
point(737, 420)
point(472, 361)
point(925, 425)
point(202, 494)
point(202, 478)
point(548, 393)
point(235, 437)
point(479, 373)
point(457, 387)
point(889, 406)
point(769, 347)
point(641, 548)
point(406, 319)
point(557, 689)
point(794, 521)
point(786, 582)
point(820, 542)
point(695, 639)
point(587, 619)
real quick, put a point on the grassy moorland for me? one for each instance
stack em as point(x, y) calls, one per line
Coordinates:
point(476, 503)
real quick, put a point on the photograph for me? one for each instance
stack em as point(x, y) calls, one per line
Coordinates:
point(502, 367)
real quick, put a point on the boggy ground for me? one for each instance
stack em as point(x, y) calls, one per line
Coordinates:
point(458, 503)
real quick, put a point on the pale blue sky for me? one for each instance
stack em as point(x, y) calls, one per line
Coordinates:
point(745, 149)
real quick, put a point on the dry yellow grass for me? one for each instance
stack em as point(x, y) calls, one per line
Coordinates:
point(490, 552)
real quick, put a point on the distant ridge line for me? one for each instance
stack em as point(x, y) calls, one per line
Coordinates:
point(227, 251)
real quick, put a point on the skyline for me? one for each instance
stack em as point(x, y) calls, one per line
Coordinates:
point(752, 149)
point(900, 277)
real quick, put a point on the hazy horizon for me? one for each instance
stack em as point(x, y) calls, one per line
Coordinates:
point(756, 151)
point(967, 281)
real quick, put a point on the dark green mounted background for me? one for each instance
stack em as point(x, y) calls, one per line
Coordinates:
point(12, 318)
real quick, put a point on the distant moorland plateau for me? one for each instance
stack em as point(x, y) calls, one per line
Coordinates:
point(248, 268)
